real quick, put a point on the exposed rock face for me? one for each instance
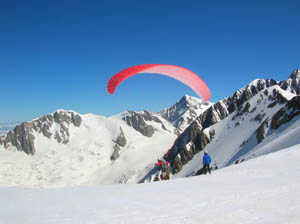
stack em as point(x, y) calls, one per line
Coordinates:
point(116, 153)
point(119, 142)
point(138, 120)
point(22, 137)
point(236, 102)
point(292, 83)
point(179, 154)
point(241, 96)
point(286, 113)
point(213, 114)
point(260, 133)
point(290, 110)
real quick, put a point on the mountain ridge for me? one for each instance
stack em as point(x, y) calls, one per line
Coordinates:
point(91, 149)
point(267, 95)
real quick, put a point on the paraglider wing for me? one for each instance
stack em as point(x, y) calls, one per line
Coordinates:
point(182, 74)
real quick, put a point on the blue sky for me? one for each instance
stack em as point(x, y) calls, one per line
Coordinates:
point(60, 54)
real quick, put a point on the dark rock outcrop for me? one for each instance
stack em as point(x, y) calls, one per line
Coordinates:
point(179, 155)
point(241, 96)
point(22, 138)
point(286, 113)
point(212, 115)
point(292, 83)
point(121, 141)
point(259, 117)
point(137, 120)
point(260, 132)
point(116, 153)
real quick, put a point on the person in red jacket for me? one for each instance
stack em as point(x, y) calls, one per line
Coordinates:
point(159, 164)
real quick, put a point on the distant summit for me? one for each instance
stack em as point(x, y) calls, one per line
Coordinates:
point(184, 111)
point(292, 84)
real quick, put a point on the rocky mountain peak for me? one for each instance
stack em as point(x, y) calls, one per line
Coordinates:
point(295, 74)
point(185, 111)
point(242, 95)
point(187, 100)
point(55, 125)
point(292, 84)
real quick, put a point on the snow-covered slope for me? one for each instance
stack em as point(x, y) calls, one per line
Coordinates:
point(262, 190)
point(241, 136)
point(70, 149)
point(237, 127)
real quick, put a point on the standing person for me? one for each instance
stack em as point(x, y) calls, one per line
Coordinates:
point(168, 170)
point(164, 170)
point(159, 164)
point(206, 163)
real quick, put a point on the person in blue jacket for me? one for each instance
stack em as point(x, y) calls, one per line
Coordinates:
point(206, 163)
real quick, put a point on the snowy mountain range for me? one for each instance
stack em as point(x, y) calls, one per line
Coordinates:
point(66, 148)
point(69, 149)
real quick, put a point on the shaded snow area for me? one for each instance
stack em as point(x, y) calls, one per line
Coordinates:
point(261, 190)
point(86, 158)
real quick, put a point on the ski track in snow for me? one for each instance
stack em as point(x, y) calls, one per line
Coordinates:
point(262, 190)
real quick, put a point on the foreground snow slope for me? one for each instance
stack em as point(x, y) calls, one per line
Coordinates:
point(262, 190)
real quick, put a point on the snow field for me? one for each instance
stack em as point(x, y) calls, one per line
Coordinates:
point(262, 190)
point(86, 159)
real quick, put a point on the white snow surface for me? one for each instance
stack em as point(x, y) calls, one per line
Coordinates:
point(86, 159)
point(259, 191)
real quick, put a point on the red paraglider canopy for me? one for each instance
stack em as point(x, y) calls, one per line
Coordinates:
point(182, 74)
